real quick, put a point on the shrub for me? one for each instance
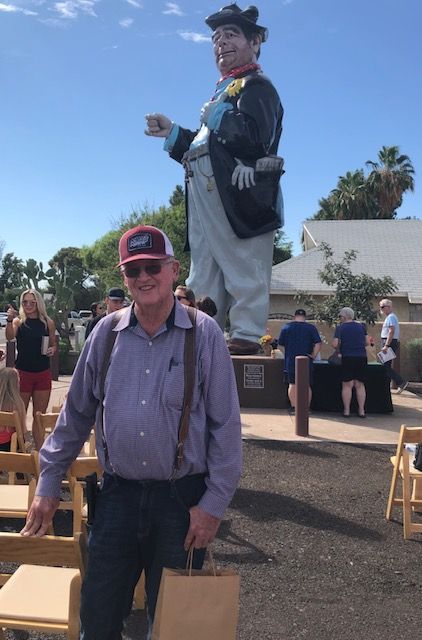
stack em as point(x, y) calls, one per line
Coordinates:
point(414, 349)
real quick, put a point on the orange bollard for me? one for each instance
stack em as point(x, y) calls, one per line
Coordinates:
point(302, 396)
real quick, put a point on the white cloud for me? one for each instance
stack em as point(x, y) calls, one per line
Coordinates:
point(71, 8)
point(173, 9)
point(192, 36)
point(125, 23)
point(134, 3)
point(11, 8)
point(287, 2)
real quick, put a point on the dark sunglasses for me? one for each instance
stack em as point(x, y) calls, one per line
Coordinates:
point(182, 298)
point(150, 269)
point(383, 306)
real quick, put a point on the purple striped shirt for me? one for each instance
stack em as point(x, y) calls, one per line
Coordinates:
point(142, 407)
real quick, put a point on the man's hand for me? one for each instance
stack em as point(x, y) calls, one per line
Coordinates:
point(202, 530)
point(40, 516)
point(158, 125)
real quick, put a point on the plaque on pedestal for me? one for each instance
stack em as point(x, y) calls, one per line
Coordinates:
point(260, 382)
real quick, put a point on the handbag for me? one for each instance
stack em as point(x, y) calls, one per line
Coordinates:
point(198, 604)
point(417, 462)
point(335, 358)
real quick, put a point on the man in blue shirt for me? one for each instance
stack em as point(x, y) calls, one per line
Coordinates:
point(299, 338)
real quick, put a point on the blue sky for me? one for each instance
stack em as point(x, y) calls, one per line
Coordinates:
point(77, 77)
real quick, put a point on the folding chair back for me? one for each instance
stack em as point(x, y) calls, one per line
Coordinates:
point(12, 419)
point(411, 479)
point(45, 423)
point(15, 500)
point(84, 466)
point(44, 592)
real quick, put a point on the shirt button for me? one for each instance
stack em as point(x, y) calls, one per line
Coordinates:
point(147, 371)
point(143, 401)
point(142, 433)
point(150, 343)
point(144, 464)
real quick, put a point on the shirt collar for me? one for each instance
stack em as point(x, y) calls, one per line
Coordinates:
point(178, 317)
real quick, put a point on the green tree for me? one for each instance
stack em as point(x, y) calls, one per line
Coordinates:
point(101, 257)
point(376, 196)
point(352, 197)
point(282, 248)
point(348, 289)
point(389, 179)
point(11, 272)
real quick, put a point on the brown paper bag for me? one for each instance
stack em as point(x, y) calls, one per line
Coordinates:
point(199, 605)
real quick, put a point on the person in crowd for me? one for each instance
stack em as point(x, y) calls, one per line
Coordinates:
point(207, 305)
point(11, 306)
point(234, 201)
point(148, 513)
point(114, 301)
point(298, 338)
point(10, 400)
point(390, 337)
point(185, 295)
point(96, 309)
point(30, 329)
point(351, 340)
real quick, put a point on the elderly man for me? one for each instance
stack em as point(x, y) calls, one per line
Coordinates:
point(149, 511)
point(390, 337)
point(233, 197)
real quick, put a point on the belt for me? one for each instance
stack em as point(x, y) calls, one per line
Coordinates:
point(145, 484)
point(196, 152)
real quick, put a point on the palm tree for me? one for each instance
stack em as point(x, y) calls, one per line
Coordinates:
point(351, 197)
point(389, 179)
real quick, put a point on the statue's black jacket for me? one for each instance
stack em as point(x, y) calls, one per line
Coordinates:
point(250, 131)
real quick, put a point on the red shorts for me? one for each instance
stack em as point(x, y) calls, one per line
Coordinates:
point(30, 381)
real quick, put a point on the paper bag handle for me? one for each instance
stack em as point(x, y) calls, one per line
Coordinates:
point(189, 560)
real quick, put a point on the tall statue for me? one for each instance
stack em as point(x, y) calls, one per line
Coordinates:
point(233, 198)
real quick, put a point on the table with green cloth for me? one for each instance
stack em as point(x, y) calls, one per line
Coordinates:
point(326, 389)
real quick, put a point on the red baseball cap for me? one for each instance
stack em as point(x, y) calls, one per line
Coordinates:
point(144, 243)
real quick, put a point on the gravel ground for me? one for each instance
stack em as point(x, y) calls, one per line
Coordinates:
point(307, 533)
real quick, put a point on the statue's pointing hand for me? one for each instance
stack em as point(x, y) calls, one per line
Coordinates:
point(158, 125)
point(243, 176)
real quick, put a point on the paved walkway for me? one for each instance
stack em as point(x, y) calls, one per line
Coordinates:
point(277, 424)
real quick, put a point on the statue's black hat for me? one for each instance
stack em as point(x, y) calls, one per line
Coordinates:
point(232, 14)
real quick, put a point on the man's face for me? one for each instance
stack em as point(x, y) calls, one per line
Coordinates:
point(151, 289)
point(114, 305)
point(232, 49)
point(385, 309)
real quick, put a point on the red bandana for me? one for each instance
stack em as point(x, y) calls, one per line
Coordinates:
point(238, 72)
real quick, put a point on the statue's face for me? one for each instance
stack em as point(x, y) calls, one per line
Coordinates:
point(232, 48)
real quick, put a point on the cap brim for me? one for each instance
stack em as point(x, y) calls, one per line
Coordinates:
point(144, 256)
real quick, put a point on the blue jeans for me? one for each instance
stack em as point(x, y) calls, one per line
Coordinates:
point(137, 526)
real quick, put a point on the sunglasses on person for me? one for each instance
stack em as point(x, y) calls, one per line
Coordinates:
point(150, 269)
point(182, 298)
